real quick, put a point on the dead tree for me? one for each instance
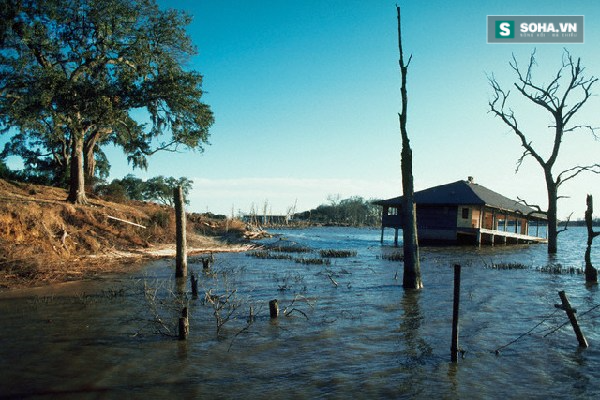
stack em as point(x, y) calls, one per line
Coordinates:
point(591, 274)
point(412, 267)
point(563, 97)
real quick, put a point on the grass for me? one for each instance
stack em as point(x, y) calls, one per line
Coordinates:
point(291, 248)
point(313, 261)
point(558, 269)
point(508, 266)
point(395, 256)
point(267, 255)
point(333, 253)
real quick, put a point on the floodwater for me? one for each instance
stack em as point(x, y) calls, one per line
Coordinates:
point(346, 329)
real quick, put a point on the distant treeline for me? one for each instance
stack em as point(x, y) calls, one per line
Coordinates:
point(580, 222)
point(354, 211)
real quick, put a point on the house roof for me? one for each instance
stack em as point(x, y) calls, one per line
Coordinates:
point(465, 193)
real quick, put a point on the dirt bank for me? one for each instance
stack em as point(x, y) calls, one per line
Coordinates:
point(44, 239)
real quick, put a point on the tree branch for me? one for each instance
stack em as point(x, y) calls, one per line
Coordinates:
point(500, 96)
point(566, 224)
point(534, 206)
point(573, 172)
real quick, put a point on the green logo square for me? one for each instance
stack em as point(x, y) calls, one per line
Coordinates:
point(505, 29)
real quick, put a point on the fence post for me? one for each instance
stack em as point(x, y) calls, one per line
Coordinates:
point(180, 231)
point(274, 308)
point(566, 306)
point(455, 308)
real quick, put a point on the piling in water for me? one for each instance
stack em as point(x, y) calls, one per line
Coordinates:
point(194, 282)
point(455, 307)
point(274, 308)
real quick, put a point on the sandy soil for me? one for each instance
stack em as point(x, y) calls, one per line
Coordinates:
point(45, 240)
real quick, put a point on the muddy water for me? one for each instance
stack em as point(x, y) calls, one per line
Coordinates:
point(351, 330)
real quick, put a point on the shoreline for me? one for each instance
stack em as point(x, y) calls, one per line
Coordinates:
point(45, 240)
point(110, 266)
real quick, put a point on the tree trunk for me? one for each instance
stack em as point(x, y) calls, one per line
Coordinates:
point(77, 179)
point(412, 268)
point(552, 213)
point(591, 274)
point(89, 164)
point(180, 233)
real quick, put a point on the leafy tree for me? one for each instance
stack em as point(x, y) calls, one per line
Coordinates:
point(355, 211)
point(562, 98)
point(134, 187)
point(161, 189)
point(5, 172)
point(73, 72)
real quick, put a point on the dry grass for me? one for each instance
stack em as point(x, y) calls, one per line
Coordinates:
point(43, 239)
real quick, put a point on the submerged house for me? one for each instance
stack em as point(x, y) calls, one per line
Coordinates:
point(464, 212)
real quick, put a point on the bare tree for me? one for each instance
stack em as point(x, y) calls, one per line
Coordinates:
point(412, 267)
point(563, 97)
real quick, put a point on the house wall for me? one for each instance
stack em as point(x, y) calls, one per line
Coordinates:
point(472, 220)
point(436, 217)
point(391, 217)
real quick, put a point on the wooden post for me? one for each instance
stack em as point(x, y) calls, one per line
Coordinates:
point(566, 306)
point(184, 325)
point(180, 229)
point(274, 308)
point(591, 274)
point(454, 345)
point(194, 285)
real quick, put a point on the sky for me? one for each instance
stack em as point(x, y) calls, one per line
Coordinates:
point(306, 95)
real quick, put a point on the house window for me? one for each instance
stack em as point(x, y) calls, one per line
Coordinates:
point(465, 213)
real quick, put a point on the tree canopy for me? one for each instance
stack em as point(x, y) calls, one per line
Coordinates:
point(74, 73)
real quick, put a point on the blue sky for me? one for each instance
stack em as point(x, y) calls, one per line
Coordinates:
point(306, 95)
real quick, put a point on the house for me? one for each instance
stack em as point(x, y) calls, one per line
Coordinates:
point(464, 212)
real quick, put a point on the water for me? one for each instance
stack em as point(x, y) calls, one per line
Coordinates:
point(364, 338)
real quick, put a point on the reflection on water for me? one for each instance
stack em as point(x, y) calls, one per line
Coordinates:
point(364, 337)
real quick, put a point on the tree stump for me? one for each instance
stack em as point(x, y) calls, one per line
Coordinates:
point(184, 325)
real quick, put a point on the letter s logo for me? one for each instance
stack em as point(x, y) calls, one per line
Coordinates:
point(504, 29)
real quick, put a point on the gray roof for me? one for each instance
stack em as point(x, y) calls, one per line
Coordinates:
point(465, 193)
